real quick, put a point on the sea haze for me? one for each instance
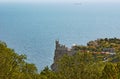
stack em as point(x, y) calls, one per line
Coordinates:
point(32, 29)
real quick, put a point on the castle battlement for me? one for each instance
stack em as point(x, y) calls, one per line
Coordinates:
point(63, 49)
point(60, 46)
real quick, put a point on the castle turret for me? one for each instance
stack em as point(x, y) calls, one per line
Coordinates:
point(57, 44)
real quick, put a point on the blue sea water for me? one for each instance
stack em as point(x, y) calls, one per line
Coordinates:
point(32, 29)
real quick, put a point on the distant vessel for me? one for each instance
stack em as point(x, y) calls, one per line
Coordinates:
point(78, 3)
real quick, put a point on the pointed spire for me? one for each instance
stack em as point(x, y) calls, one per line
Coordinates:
point(57, 44)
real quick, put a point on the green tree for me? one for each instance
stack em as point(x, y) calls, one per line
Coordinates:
point(109, 72)
point(46, 73)
point(79, 66)
point(13, 66)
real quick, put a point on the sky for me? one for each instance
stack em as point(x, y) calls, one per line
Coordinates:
point(54, 1)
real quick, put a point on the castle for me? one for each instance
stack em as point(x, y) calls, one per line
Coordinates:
point(60, 50)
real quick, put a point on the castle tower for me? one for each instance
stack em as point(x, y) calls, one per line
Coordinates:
point(57, 44)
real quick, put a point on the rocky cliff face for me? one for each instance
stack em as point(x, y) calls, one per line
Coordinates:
point(60, 50)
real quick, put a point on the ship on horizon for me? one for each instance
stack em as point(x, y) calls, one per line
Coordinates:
point(78, 3)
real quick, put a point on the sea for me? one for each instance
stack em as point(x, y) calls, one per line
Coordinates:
point(32, 29)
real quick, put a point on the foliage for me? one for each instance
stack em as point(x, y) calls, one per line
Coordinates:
point(82, 65)
point(13, 66)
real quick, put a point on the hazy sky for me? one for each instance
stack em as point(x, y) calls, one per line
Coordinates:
point(57, 1)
